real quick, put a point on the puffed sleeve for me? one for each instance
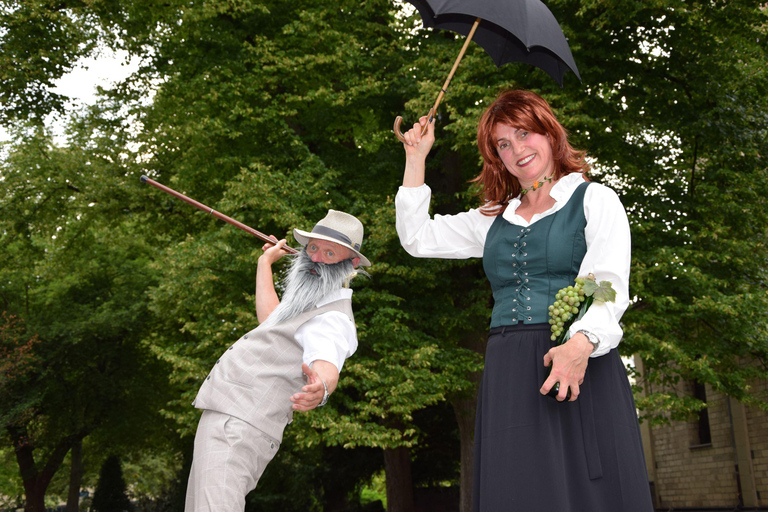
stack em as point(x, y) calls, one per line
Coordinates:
point(608, 258)
point(458, 236)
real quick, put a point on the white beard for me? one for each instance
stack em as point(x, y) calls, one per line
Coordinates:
point(306, 283)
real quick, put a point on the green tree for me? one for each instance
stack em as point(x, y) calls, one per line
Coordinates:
point(111, 491)
point(677, 101)
point(274, 111)
point(74, 268)
point(276, 153)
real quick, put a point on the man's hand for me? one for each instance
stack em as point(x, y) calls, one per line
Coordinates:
point(569, 364)
point(313, 391)
point(273, 251)
point(266, 296)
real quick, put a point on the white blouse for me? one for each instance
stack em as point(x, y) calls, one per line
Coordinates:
point(463, 236)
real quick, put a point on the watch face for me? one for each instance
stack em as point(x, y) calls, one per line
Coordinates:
point(591, 338)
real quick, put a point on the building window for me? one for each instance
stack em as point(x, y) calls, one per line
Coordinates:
point(703, 434)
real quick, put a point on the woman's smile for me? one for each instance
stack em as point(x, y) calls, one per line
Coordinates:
point(525, 161)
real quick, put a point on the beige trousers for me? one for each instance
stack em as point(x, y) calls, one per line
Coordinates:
point(229, 458)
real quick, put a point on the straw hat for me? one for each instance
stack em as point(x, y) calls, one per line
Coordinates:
point(339, 227)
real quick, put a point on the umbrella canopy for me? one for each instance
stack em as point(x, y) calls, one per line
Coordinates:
point(509, 31)
point(520, 31)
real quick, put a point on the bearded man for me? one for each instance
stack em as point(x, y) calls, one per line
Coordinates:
point(250, 394)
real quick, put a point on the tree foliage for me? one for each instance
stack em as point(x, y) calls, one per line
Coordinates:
point(272, 112)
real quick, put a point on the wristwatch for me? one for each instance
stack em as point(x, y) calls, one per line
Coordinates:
point(591, 338)
point(326, 394)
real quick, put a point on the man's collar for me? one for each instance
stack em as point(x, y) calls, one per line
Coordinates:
point(341, 293)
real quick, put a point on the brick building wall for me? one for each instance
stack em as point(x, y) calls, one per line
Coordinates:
point(687, 472)
point(757, 424)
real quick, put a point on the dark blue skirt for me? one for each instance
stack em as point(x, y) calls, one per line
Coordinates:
point(535, 454)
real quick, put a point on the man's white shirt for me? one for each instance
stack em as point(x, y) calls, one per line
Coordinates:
point(331, 336)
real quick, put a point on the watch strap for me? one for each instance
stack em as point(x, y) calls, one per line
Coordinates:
point(591, 338)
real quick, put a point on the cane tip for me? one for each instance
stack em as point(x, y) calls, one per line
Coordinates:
point(144, 179)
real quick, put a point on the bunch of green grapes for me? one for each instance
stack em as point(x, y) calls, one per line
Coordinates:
point(566, 305)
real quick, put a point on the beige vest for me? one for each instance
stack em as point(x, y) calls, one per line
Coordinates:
point(255, 378)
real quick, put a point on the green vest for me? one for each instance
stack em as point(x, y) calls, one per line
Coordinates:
point(528, 265)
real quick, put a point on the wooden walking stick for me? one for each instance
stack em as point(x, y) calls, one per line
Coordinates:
point(230, 220)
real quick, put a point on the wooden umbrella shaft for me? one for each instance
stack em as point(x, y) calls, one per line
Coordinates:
point(216, 214)
point(444, 89)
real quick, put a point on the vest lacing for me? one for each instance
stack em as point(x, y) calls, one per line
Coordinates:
point(521, 304)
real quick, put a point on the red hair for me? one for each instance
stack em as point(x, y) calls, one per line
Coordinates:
point(527, 111)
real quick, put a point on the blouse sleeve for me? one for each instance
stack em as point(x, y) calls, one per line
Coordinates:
point(458, 236)
point(608, 258)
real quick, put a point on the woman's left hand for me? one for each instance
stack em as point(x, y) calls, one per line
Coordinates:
point(569, 364)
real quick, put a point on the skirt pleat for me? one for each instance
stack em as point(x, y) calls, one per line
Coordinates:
point(533, 453)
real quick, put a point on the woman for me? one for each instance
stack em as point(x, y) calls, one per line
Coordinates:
point(541, 226)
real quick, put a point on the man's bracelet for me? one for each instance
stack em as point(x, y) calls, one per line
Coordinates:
point(326, 394)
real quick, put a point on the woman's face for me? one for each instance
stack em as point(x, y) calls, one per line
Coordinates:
point(527, 155)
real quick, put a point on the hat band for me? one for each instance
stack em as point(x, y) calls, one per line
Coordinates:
point(338, 235)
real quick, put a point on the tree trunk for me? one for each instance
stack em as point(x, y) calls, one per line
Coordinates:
point(75, 477)
point(35, 481)
point(465, 417)
point(397, 465)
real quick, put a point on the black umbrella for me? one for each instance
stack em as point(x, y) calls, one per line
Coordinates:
point(520, 31)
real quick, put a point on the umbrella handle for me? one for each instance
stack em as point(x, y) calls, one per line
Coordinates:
point(399, 120)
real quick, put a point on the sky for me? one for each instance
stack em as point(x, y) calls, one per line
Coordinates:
point(103, 70)
point(80, 84)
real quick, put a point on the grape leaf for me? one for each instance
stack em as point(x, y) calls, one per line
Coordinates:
point(605, 292)
point(589, 286)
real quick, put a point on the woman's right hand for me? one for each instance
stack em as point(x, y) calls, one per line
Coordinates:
point(417, 146)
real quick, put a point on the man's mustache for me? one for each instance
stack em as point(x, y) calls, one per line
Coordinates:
point(318, 268)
